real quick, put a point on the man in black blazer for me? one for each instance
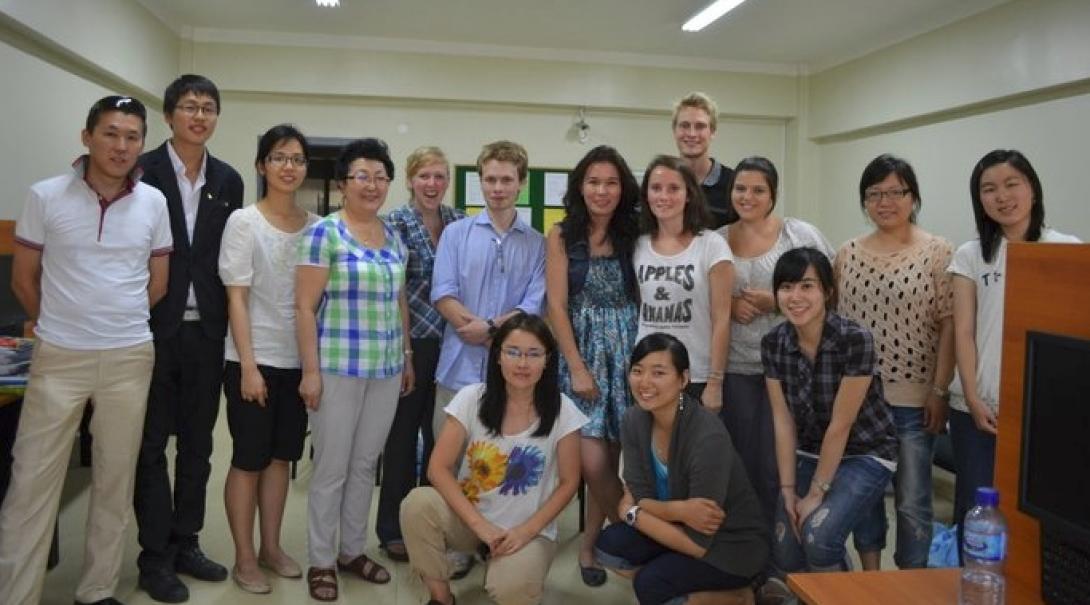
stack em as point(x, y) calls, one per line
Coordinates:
point(189, 325)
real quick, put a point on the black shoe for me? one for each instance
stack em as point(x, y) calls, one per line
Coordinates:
point(163, 585)
point(106, 601)
point(191, 561)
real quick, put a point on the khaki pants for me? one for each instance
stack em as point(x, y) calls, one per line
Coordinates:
point(61, 382)
point(430, 527)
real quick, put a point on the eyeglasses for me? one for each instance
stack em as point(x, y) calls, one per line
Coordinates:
point(365, 179)
point(279, 159)
point(873, 197)
point(208, 109)
point(516, 354)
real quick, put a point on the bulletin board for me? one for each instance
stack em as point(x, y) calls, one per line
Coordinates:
point(540, 202)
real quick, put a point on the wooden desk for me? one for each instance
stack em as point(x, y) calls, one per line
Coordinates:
point(910, 587)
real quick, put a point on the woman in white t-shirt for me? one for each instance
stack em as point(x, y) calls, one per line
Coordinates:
point(1008, 205)
point(514, 444)
point(685, 274)
point(265, 414)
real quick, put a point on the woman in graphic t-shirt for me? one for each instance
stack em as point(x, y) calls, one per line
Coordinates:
point(1008, 205)
point(685, 274)
point(520, 438)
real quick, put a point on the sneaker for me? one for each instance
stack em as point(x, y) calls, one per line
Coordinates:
point(163, 585)
point(191, 561)
point(460, 564)
point(775, 592)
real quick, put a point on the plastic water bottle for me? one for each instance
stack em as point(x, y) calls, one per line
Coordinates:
point(984, 550)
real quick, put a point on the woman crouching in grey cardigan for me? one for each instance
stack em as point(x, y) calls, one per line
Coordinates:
point(692, 522)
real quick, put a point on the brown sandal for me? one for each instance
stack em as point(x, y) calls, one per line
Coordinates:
point(322, 583)
point(365, 568)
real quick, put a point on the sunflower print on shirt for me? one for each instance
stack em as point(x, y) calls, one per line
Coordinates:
point(487, 468)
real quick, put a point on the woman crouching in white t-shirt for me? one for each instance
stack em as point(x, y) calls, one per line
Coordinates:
point(685, 273)
point(520, 440)
point(1008, 205)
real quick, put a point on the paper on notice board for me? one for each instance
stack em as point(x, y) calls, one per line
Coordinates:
point(474, 196)
point(556, 184)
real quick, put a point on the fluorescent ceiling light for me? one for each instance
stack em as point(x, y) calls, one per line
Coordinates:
point(714, 10)
point(328, 3)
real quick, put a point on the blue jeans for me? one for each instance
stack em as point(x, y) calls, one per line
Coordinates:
point(912, 486)
point(664, 576)
point(974, 463)
point(859, 482)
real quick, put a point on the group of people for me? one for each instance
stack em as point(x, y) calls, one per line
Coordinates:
point(761, 388)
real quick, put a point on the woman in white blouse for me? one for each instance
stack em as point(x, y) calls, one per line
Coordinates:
point(265, 413)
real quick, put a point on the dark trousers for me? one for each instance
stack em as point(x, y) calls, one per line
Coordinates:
point(663, 574)
point(747, 415)
point(9, 424)
point(414, 415)
point(183, 401)
point(974, 463)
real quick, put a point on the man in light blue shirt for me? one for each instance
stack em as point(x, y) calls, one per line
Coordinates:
point(487, 268)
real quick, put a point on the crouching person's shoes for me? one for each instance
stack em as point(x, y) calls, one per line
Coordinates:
point(191, 561)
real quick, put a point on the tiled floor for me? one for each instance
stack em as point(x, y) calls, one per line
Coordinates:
point(563, 586)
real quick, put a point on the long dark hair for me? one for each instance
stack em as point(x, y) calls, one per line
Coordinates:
point(546, 391)
point(624, 224)
point(990, 231)
point(695, 217)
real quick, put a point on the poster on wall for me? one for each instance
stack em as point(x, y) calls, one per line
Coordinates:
point(556, 185)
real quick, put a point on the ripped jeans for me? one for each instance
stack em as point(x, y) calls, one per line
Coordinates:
point(859, 482)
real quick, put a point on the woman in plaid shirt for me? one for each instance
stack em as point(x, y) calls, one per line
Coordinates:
point(351, 319)
point(836, 447)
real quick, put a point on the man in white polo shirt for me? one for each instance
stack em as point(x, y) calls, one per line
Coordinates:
point(91, 257)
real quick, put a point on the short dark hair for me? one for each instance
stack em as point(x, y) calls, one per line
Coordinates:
point(125, 105)
point(369, 148)
point(546, 391)
point(792, 266)
point(273, 137)
point(661, 341)
point(764, 166)
point(624, 224)
point(988, 230)
point(695, 217)
point(881, 167)
point(189, 83)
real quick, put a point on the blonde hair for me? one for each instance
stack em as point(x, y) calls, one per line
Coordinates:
point(505, 151)
point(421, 157)
point(698, 100)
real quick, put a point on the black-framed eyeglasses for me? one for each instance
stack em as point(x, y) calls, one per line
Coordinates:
point(873, 197)
point(192, 109)
point(279, 159)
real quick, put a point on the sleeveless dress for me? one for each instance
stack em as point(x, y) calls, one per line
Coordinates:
point(604, 320)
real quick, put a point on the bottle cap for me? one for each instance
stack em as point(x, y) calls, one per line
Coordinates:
point(987, 496)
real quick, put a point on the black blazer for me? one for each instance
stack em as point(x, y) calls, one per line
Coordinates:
point(196, 262)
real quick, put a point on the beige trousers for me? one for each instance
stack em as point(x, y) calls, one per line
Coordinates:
point(430, 527)
point(61, 382)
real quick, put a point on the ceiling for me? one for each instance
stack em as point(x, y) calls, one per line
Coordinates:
point(760, 35)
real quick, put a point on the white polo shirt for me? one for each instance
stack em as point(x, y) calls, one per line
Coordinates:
point(95, 257)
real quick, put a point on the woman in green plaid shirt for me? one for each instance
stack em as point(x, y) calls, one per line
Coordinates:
point(352, 321)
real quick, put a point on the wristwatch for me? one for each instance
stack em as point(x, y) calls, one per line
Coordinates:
point(491, 327)
point(630, 516)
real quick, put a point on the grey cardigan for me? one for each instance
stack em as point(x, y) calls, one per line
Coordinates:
point(702, 464)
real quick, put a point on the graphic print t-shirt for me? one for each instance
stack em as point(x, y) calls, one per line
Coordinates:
point(674, 293)
point(509, 477)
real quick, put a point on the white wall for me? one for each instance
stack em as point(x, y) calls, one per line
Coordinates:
point(1017, 76)
point(461, 130)
point(42, 123)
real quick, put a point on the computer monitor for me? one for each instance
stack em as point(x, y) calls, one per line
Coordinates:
point(1055, 477)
